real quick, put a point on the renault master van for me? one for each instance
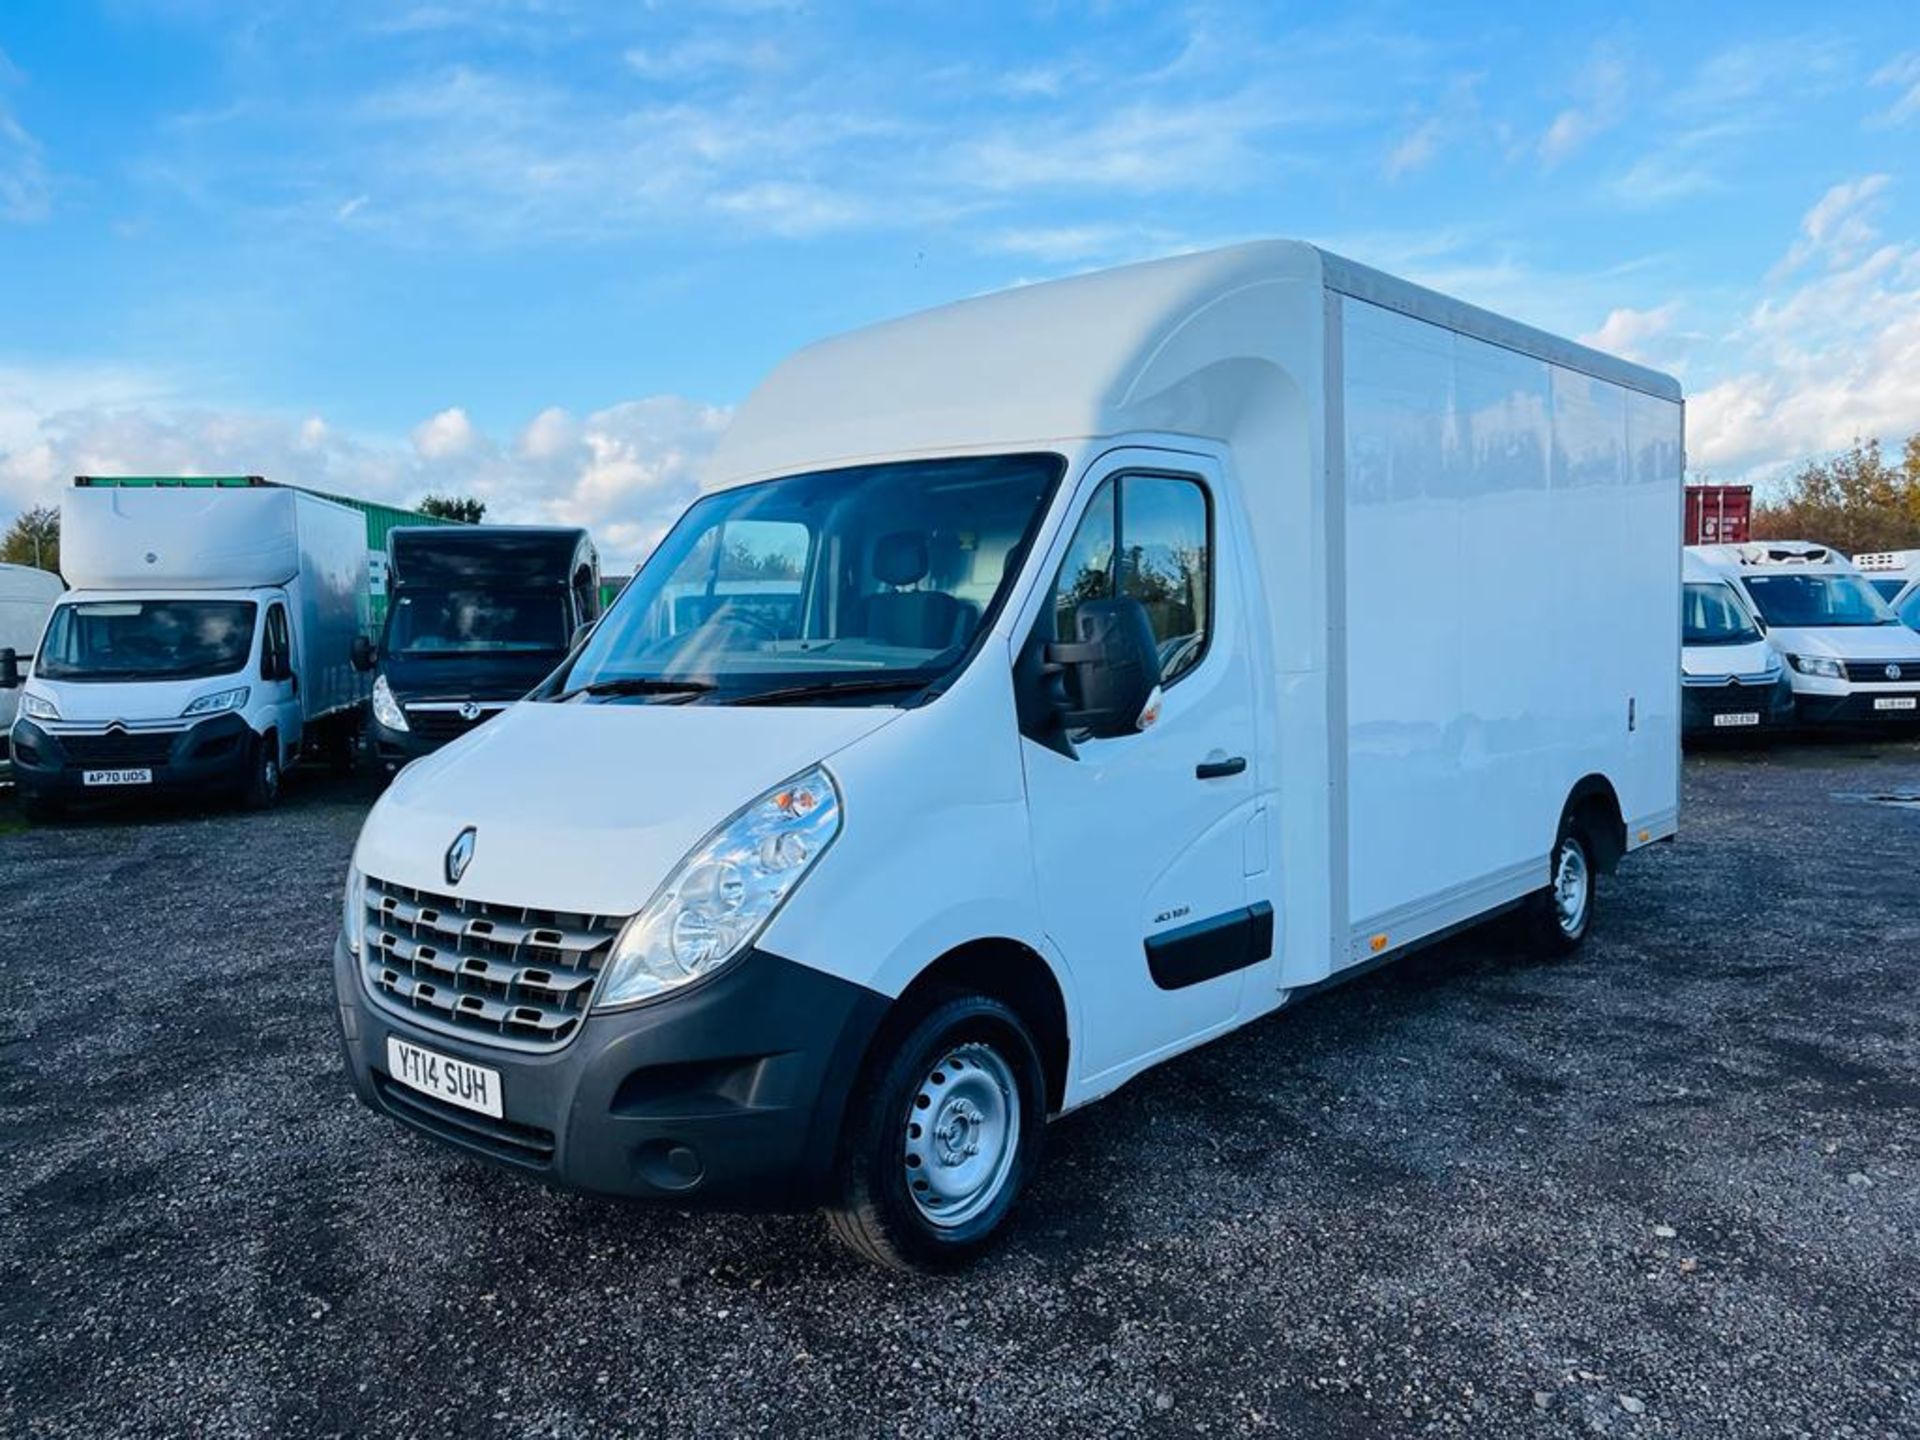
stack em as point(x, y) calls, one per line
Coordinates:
point(1851, 661)
point(1044, 685)
point(1733, 682)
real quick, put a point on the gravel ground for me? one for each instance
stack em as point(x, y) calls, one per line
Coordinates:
point(1666, 1188)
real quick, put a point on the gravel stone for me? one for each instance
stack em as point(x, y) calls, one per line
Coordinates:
point(1417, 1205)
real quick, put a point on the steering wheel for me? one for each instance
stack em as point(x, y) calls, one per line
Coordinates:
point(739, 617)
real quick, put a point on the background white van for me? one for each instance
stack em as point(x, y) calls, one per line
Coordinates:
point(26, 596)
point(1733, 681)
point(1851, 661)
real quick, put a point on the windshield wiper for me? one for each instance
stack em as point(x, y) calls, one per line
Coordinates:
point(637, 685)
point(830, 687)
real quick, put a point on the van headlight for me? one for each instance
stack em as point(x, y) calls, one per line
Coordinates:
point(386, 709)
point(1824, 665)
point(234, 699)
point(719, 899)
point(353, 909)
point(38, 707)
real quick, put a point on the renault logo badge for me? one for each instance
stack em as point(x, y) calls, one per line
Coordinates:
point(459, 855)
point(469, 710)
point(1893, 672)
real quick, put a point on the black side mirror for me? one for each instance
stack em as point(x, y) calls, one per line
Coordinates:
point(363, 653)
point(10, 677)
point(1112, 672)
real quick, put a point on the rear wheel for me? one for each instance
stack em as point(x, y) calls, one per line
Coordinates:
point(262, 789)
point(1559, 917)
point(942, 1137)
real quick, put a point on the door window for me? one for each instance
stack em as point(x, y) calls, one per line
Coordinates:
point(1147, 538)
point(276, 653)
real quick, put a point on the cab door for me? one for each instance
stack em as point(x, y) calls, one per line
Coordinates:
point(279, 683)
point(1142, 844)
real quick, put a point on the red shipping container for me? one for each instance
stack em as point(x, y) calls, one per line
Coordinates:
point(1719, 514)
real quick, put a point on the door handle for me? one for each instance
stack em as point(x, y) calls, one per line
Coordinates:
point(1219, 769)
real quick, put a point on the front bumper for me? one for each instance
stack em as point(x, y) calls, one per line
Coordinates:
point(396, 748)
point(729, 1095)
point(215, 755)
point(1700, 705)
point(1857, 710)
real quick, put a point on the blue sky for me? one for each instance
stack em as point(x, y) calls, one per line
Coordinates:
point(536, 249)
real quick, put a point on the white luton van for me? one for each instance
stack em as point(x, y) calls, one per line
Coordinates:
point(26, 595)
point(206, 644)
point(1045, 685)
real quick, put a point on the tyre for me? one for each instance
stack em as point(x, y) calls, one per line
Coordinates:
point(262, 788)
point(1558, 918)
point(942, 1135)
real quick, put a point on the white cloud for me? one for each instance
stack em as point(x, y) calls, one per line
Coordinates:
point(26, 192)
point(1628, 332)
point(1826, 358)
point(626, 471)
point(1415, 148)
point(1601, 95)
point(705, 55)
point(1840, 226)
point(1902, 74)
point(447, 436)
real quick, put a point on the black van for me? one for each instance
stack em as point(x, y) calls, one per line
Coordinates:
point(477, 615)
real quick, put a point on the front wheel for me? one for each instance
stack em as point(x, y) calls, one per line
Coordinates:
point(941, 1137)
point(1559, 917)
point(262, 788)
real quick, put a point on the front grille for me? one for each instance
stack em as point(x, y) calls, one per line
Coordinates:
point(524, 1144)
point(1731, 699)
point(118, 747)
point(1874, 672)
point(444, 724)
point(502, 974)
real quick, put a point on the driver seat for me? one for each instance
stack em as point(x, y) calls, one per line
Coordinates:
point(900, 615)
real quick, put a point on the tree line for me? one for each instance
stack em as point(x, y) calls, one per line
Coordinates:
point(1857, 501)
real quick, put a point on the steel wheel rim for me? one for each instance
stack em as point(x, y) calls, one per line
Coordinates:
point(961, 1134)
point(1570, 888)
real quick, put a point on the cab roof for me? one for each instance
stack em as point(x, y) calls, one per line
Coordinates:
point(1077, 358)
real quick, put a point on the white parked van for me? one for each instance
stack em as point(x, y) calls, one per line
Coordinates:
point(208, 643)
point(1151, 648)
point(1733, 681)
point(26, 595)
point(1889, 571)
point(1850, 659)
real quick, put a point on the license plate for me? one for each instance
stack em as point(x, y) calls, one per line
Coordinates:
point(1895, 702)
point(116, 777)
point(471, 1087)
point(1743, 717)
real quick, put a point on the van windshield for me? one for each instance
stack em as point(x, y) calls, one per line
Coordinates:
point(147, 639)
point(1711, 614)
point(425, 622)
point(1818, 600)
point(863, 584)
